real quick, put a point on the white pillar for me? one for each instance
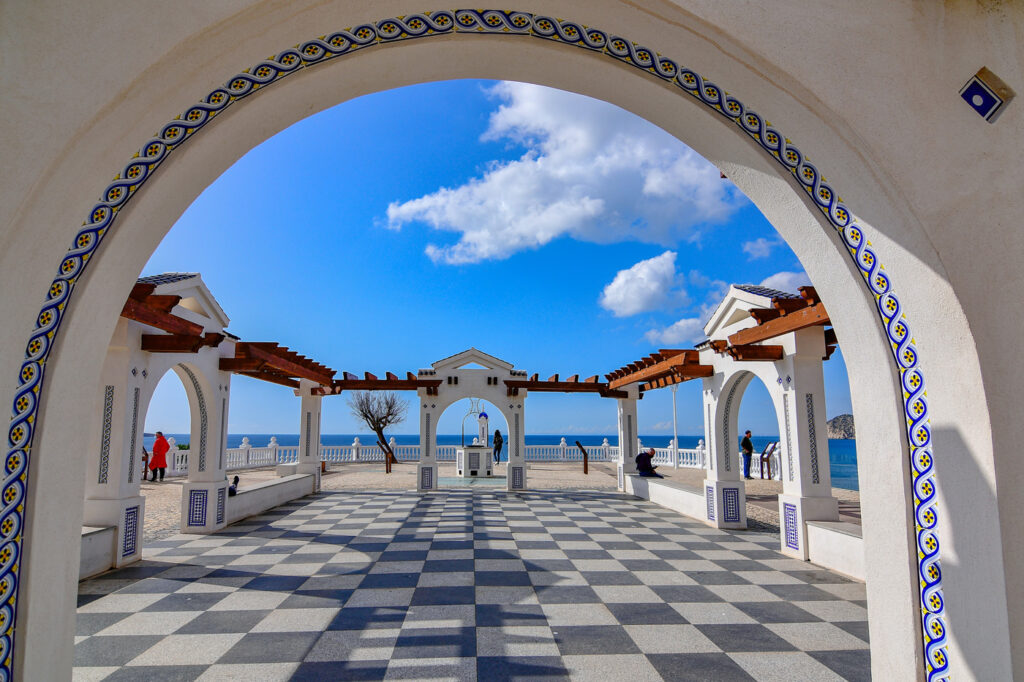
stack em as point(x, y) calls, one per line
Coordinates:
point(204, 495)
point(115, 451)
point(675, 430)
point(627, 433)
point(724, 490)
point(309, 430)
point(516, 468)
point(426, 470)
point(806, 477)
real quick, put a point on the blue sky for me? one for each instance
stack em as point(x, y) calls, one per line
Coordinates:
point(556, 232)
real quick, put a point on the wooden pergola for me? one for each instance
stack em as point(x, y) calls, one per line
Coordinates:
point(276, 364)
point(265, 361)
point(571, 385)
point(673, 366)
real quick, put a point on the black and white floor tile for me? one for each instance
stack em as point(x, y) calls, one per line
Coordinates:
point(471, 585)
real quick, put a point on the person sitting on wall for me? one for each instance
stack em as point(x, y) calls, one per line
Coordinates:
point(644, 467)
point(158, 462)
point(233, 488)
point(145, 464)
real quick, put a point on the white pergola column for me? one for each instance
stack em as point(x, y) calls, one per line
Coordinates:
point(204, 495)
point(725, 493)
point(516, 469)
point(806, 477)
point(627, 433)
point(426, 469)
point(309, 430)
point(115, 451)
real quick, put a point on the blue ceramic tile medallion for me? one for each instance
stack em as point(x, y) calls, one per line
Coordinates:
point(505, 24)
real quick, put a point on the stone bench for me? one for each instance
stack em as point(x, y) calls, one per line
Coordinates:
point(685, 499)
point(98, 550)
point(838, 546)
point(260, 497)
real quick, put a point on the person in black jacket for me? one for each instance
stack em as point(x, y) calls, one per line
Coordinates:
point(644, 466)
point(498, 442)
point(747, 447)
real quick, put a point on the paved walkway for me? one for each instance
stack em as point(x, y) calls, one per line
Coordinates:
point(471, 584)
point(163, 500)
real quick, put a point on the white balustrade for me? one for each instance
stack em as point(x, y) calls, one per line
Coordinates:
point(247, 456)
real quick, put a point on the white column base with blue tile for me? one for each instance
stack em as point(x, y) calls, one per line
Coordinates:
point(726, 503)
point(126, 515)
point(794, 513)
point(203, 506)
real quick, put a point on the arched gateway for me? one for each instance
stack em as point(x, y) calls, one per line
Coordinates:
point(833, 99)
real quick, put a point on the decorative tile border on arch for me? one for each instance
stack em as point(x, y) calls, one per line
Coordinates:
point(507, 24)
point(203, 418)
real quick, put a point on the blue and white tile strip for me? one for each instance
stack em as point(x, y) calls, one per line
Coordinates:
point(139, 169)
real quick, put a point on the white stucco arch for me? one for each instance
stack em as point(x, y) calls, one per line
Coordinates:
point(972, 368)
point(458, 382)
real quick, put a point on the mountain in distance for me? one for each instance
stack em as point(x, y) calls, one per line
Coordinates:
point(841, 426)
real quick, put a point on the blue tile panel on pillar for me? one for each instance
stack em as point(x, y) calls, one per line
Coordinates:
point(505, 23)
point(731, 505)
point(131, 531)
point(792, 533)
point(709, 497)
point(222, 494)
point(197, 508)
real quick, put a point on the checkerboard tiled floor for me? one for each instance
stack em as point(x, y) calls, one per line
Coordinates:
point(471, 584)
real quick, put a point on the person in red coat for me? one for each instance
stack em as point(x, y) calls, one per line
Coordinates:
point(158, 462)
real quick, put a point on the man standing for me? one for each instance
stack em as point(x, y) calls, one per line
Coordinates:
point(158, 462)
point(747, 447)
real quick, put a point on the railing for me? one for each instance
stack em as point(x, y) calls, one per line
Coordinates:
point(247, 457)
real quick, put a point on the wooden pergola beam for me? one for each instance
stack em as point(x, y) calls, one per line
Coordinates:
point(272, 378)
point(563, 387)
point(241, 365)
point(179, 343)
point(674, 363)
point(154, 317)
point(280, 361)
point(794, 321)
point(383, 384)
point(752, 353)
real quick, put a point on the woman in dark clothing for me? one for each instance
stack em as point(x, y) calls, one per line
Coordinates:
point(498, 442)
point(644, 466)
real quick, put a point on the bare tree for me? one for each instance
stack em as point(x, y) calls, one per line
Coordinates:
point(379, 410)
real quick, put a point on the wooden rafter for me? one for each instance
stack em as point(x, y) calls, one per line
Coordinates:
point(272, 378)
point(755, 352)
point(269, 357)
point(179, 343)
point(549, 386)
point(808, 316)
point(391, 382)
point(155, 316)
point(683, 363)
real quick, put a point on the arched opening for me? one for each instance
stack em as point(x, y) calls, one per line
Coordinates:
point(762, 179)
point(459, 424)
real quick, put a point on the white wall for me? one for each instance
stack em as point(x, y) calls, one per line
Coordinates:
point(926, 176)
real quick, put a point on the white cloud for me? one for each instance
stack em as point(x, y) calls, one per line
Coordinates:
point(648, 285)
point(591, 171)
point(685, 331)
point(661, 426)
point(759, 248)
point(787, 281)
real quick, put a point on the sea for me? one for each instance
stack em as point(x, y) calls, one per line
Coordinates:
point(842, 452)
